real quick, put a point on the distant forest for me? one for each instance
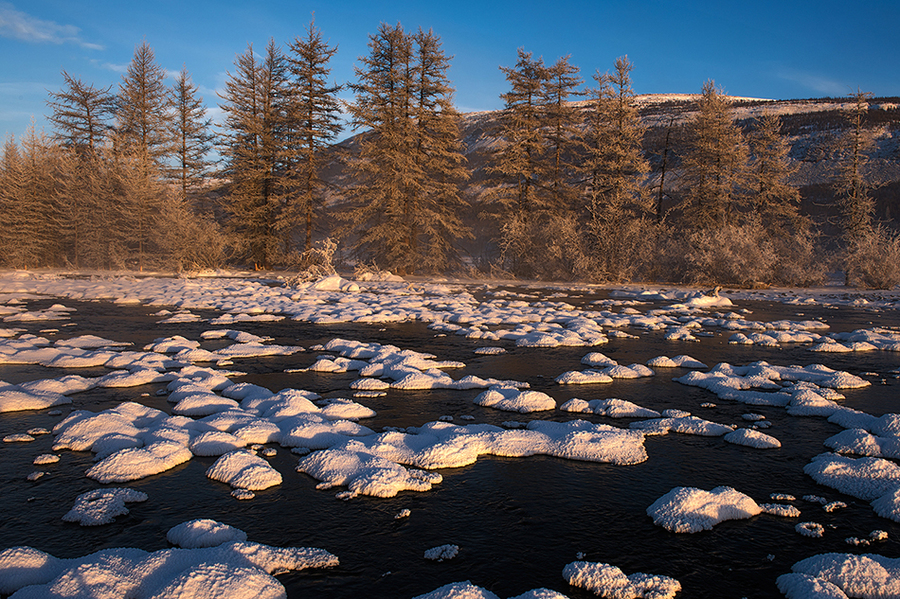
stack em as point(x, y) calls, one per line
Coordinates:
point(139, 178)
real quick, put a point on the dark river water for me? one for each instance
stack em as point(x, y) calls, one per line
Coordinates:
point(517, 522)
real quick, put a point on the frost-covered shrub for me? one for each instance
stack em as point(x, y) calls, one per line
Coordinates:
point(315, 263)
point(872, 260)
point(729, 255)
point(800, 261)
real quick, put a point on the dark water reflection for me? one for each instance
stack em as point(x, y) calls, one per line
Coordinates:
point(517, 521)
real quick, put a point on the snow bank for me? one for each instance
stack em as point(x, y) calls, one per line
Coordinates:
point(515, 400)
point(688, 509)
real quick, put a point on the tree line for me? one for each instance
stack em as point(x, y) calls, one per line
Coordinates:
point(127, 179)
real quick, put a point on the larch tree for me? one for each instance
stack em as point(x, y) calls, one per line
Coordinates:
point(519, 162)
point(714, 165)
point(562, 123)
point(615, 171)
point(406, 204)
point(520, 167)
point(81, 115)
point(253, 102)
point(856, 204)
point(386, 170)
point(437, 221)
point(191, 135)
point(144, 118)
point(144, 112)
point(12, 211)
point(773, 199)
point(314, 115)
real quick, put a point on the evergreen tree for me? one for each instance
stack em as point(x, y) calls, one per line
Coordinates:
point(314, 122)
point(407, 202)
point(12, 184)
point(562, 122)
point(144, 112)
point(254, 106)
point(773, 199)
point(385, 166)
point(437, 221)
point(615, 169)
point(714, 164)
point(81, 115)
point(856, 205)
point(519, 163)
point(190, 131)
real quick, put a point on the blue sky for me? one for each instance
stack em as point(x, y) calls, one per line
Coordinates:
point(769, 49)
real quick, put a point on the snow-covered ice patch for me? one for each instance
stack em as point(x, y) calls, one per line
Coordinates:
point(203, 532)
point(101, 506)
point(690, 510)
point(607, 580)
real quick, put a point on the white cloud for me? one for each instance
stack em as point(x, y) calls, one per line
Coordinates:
point(22, 26)
point(814, 82)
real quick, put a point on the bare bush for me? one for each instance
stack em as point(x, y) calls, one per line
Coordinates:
point(738, 255)
point(315, 263)
point(872, 261)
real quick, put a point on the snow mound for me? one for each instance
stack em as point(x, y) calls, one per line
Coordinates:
point(751, 438)
point(244, 470)
point(101, 506)
point(688, 509)
point(842, 575)
point(613, 408)
point(203, 532)
point(607, 580)
point(442, 552)
point(515, 400)
point(238, 570)
point(139, 462)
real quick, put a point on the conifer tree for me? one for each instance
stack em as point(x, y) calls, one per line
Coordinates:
point(714, 164)
point(437, 221)
point(144, 135)
point(773, 199)
point(314, 122)
point(144, 112)
point(385, 166)
point(410, 161)
point(190, 131)
point(81, 115)
point(562, 122)
point(856, 205)
point(520, 163)
point(615, 170)
point(254, 104)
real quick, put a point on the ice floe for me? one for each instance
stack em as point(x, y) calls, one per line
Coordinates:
point(690, 510)
point(841, 575)
point(101, 506)
point(203, 532)
point(237, 570)
point(607, 580)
